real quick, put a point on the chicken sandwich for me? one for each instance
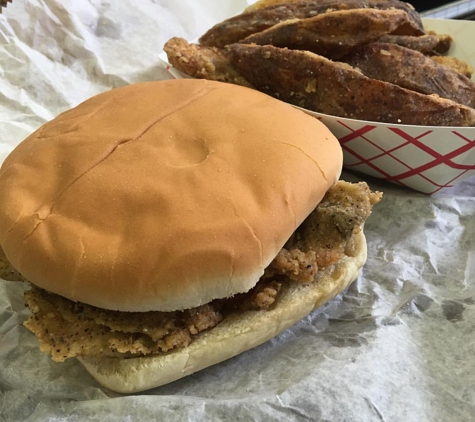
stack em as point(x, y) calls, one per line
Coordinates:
point(167, 226)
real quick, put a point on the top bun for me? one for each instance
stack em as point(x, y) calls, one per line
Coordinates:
point(162, 195)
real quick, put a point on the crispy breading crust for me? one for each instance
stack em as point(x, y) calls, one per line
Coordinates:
point(67, 329)
point(318, 84)
point(204, 63)
point(241, 26)
point(334, 34)
point(430, 43)
point(412, 70)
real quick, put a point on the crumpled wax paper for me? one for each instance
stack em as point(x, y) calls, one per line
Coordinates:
point(398, 345)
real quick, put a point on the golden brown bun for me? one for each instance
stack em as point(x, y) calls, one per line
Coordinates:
point(162, 195)
point(232, 336)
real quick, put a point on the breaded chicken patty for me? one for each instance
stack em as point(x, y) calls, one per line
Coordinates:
point(71, 329)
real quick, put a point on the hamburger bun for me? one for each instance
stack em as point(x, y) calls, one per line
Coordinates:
point(162, 195)
point(232, 336)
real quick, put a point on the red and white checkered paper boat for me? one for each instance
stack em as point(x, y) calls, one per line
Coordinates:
point(424, 158)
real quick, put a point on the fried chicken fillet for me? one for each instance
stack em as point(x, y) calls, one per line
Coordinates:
point(316, 83)
point(431, 43)
point(261, 4)
point(204, 63)
point(412, 70)
point(334, 34)
point(68, 329)
point(241, 26)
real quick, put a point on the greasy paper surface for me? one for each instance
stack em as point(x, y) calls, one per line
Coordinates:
point(398, 345)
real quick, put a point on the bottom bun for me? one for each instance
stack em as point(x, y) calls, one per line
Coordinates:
point(234, 335)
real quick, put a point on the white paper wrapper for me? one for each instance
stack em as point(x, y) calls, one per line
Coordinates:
point(396, 346)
